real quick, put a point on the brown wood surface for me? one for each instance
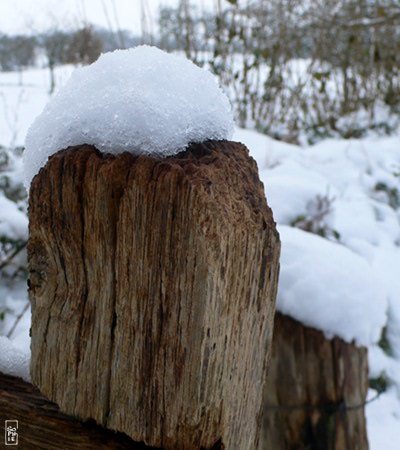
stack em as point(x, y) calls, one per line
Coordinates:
point(41, 425)
point(308, 370)
point(153, 285)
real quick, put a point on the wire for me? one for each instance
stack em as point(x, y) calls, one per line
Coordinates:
point(328, 407)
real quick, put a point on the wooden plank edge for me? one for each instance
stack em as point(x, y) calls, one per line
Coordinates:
point(41, 424)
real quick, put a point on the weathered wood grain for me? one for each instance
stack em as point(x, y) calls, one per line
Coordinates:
point(306, 369)
point(41, 425)
point(153, 285)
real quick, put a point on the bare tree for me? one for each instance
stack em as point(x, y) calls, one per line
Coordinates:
point(55, 45)
point(85, 46)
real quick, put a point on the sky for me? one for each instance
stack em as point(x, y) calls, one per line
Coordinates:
point(30, 16)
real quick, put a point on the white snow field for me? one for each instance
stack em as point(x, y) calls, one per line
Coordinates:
point(344, 282)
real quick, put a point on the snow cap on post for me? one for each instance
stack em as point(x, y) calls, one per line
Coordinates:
point(141, 100)
point(353, 309)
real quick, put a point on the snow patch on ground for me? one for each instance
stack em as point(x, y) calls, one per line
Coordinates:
point(383, 420)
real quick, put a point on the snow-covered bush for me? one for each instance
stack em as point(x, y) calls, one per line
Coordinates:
point(299, 71)
point(13, 228)
point(316, 219)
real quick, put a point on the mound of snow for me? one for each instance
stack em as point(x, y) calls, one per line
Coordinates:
point(327, 286)
point(13, 360)
point(140, 100)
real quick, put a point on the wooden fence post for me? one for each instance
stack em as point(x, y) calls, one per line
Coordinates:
point(315, 391)
point(153, 284)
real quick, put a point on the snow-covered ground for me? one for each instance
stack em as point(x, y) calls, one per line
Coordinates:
point(22, 97)
point(337, 205)
point(347, 282)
